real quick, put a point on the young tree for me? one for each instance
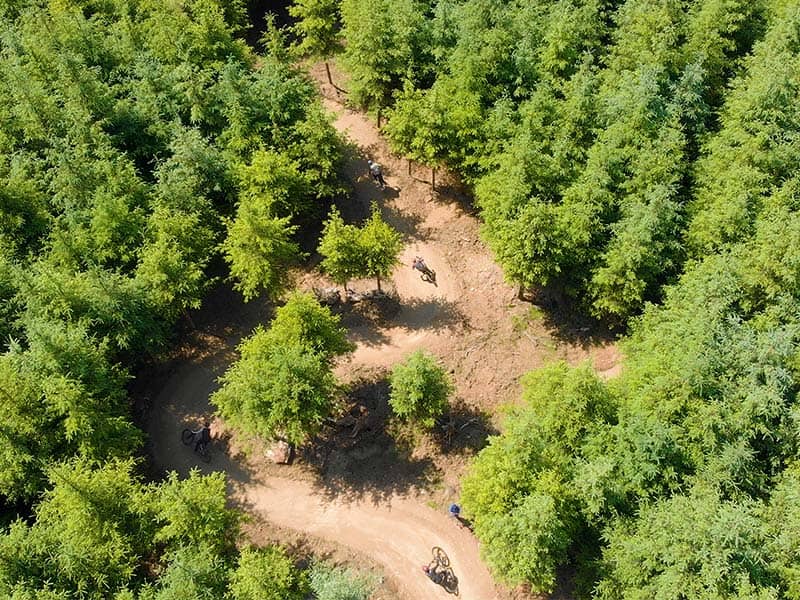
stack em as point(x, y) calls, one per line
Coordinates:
point(317, 26)
point(386, 45)
point(379, 246)
point(277, 391)
point(192, 512)
point(303, 320)
point(420, 389)
point(340, 249)
point(267, 574)
point(282, 385)
point(416, 129)
point(259, 250)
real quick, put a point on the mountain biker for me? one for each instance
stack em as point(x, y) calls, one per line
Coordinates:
point(434, 575)
point(202, 437)
point(455, 512)
point(377, 173)
point(420, 265)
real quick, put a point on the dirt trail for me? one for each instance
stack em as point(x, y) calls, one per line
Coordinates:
point(470, 319)
point(397, 533)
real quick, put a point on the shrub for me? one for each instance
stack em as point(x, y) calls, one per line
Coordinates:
point(329, 582)
point(419, 389)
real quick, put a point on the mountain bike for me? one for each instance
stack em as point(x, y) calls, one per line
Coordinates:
point(428, 275)
point(439, 571)
point(189, 437)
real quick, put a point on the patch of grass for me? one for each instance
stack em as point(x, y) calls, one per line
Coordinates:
point(535, 313)
point(330, 582)
point(520, 323)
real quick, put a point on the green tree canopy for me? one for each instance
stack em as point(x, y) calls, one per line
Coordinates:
point(339, 247)
point(379, 245)
point(282, 384)
point(276, 391)
point(420, 389)
point(317, 26)
point(351, 252)
point(259, 250)
point(267, 574)
point(304, 321)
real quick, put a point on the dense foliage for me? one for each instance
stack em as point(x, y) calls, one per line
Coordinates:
point(100, 533)
point(282, 385)
point(420, 389)
point(640, 156)
point(138, 139)
point(352, 252)
point(578, 122)
point(140, 142)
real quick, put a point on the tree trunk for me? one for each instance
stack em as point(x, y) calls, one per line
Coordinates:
point(189, 318)
point(409, 167)
point(378, 277)
point(379, 118)
point(328, 72)
point(433, 179)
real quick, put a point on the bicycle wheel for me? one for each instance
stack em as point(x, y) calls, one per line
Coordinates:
point(187, 436)
point(204, 452)
point(449, 581)
point(440, 556)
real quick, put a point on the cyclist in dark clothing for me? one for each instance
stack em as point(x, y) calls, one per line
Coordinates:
point(202, 437)
point(434, 575)
point(377, 173)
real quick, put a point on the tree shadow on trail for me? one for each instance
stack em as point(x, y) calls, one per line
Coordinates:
point(431, 315)
point(366, 190)
point(463, 430)
point(407, 223)
point(357, 459)
point(568, 320)
point(367, 320)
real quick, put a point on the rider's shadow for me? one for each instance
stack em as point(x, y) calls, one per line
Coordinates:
point(450, 581)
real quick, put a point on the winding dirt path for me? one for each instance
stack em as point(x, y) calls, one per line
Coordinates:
point(470, 319)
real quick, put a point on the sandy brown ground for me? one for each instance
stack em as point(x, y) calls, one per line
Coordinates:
point(471, 320)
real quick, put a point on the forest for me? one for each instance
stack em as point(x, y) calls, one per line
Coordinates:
point(637, 159)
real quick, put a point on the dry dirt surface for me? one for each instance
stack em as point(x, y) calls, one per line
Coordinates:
point(470, 319)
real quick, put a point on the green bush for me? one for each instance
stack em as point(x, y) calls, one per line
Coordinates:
point(267, 574)
point(329, 582)
point(419, 389)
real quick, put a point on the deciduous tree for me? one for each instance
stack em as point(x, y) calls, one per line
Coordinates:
point(420, 389)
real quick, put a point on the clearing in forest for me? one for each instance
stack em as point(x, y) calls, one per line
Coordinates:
point(356, 489)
